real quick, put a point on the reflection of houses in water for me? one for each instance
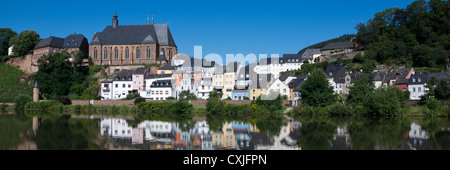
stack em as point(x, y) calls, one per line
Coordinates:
point(224, 139)
point(158, 131)
point(284, 141)
point(418, 137)
point(116, 128)
point(242, 135)
point(341, 139)
point(202, 131)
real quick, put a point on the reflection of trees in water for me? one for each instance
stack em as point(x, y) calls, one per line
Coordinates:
point(66, 134)
point(316, 135)
point(11, 128)
point(372, 133)
point(271, 125)
point(438, 131)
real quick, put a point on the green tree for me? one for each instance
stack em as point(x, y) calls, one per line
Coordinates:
point(5, 36)
point(187, 95)
point(316, 135)
point(386, 101)
point(55, 74)
point(361, 91)
point(24, 42)
point(316, 90)
point(214, 105)
point(442, 90)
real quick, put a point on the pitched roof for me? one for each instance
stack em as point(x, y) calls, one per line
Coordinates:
point(168, 66)
point(338, 45)
point(291, 58)
point(232, 67)
point(124, 75)
point(284, 76)
point(152, 76)
point(74, 41)
point(262, 81)
point(401, 81)
point(332, 71)
point(297, 83)
point(134, 34)
point(141, 70)
point(440, 76)
point(400, 72)
point(308, 53)
point(50, 42)
point(161, 83)
point(418, 79)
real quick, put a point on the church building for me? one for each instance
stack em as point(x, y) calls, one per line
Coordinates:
point(132, 44)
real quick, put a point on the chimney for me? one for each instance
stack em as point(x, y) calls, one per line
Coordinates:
point(115, 21)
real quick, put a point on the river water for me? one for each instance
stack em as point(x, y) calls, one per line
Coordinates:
point(19, 131)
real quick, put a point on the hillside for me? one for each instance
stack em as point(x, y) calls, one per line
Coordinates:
point(12, 83)
point(345, 37)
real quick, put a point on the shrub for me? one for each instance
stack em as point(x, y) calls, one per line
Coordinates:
point(41, 105)
point(64, 100)
point(340, 110)
point(139, 100)
point(21, 102)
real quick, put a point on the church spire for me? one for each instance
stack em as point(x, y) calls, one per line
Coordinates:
point(153, 22)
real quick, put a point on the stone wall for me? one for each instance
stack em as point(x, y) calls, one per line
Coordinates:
point(198, 103)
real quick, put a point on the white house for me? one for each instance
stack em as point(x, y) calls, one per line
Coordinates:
point(161, 90)
point(149, 81)
point(106, 90)
point(279, 87)
point(122, 84)
point(116, 128)
point(277, 65)
point(416, 85)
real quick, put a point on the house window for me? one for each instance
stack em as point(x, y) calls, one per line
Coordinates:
point(420, 89)
point(129, 85)
point(254, 91)
point(153, 92)
point(162, 52)
point(105, 53)
point(95, 52)
point(284, 90)
point(123, 85)
point(127, 53)
point(414, 89)
point(117, 85)
point(148, 52)
point(157, 93)
point(116, 53)
point(167, 92)
point(138, 52)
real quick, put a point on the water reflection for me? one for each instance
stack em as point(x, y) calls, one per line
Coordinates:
point(308, 133)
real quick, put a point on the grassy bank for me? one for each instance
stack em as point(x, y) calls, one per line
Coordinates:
point(11, 85)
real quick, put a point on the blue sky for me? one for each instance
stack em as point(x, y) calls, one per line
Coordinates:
point(222, 27)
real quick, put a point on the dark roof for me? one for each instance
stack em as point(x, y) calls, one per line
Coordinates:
point(232, 67)
point(246, 72)
point(332, 71)
point(297, 83)
point(161, 58)
point(261, 81)
point(74, 41)
point(36, 85)
point(308, 53)
point(152, 76)
point(378, 76)
point(124, 75)
point(417, 79)
point(401, 81)
point(440, 76)
point(141, 70)
point(284, 76)
point(168, 66)
point(291, 58)
point(161, 83)
point(135, 34)
point(50, 42)
point(107, 81)
point(220, 69)
point(392, 75)
point(338, 45)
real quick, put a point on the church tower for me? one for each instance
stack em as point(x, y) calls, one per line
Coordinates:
point(36, 92)
point(115, 21)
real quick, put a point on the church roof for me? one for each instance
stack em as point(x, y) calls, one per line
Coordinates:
point(74, 41)
point(134, 34)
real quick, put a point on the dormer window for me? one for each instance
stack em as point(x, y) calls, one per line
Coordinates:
point(414, 80)
point(419, 80)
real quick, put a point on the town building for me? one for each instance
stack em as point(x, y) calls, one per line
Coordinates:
point(240, 95)
point(230, 79)
point(138, 78)
point(311, 55)
point(122, 84)
point(149, 82)
point(335, 48)
point(161, 90)
point(106, 90)
point(259, 86)
point(132, 44)
point(275, 66)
